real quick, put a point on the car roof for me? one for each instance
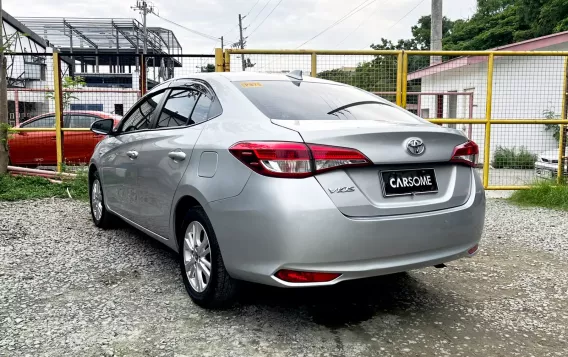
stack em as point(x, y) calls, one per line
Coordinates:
point(251, 76)
point(102, 115)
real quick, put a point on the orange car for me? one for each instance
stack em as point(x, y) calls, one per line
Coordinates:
point(38, 148)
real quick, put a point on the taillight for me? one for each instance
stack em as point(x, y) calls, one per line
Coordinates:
point(466, 153)
point(295, 160)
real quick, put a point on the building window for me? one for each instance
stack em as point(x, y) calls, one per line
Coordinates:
point(119, 109)
point(95, 107)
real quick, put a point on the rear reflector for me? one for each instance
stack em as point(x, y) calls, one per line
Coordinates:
point(466, 153)
point(473, 249)
point(295, 160)
point(292, 276)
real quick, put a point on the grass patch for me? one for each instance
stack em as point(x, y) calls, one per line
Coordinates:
point(545, 194)
point(513, 158)
point(13, 188)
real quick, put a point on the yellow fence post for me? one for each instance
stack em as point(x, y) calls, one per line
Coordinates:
point(399, 79)
point(57, 93)
point(404, 79)
point(314, 65)
point(488, 103)
point(227, 61)
point(561, 150)
point(219, 63)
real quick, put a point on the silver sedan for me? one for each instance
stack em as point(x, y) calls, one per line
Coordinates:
point(286, 180)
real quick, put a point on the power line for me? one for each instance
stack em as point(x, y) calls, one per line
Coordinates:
point(257, 1)
point(402, 18)
point(353, 11)
point(212, 38)
point(408, 13)
point(267, 16)
point(360, 24)
point(258, 13)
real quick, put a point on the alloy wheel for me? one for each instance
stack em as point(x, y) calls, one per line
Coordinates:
point(197, 256)
point(97, 200)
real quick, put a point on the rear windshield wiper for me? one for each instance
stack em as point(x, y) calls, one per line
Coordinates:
point(355, 104)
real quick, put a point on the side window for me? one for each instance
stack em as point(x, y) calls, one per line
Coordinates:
point(45, 122)
point(178, 108)
point(81, 121)
point(141, 117)
point(201, 111)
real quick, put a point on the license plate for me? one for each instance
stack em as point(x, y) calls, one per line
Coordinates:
point(408, 182)
point(544, 173)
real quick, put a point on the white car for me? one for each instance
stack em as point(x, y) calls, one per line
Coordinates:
point(546, 165)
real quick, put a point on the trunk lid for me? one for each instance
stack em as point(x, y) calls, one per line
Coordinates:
point(360, 192)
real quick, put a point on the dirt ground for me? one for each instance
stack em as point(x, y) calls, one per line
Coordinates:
point(69, 289)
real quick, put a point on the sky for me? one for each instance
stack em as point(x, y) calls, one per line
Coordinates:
point(291, 23)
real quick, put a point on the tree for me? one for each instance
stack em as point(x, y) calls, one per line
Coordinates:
point(68, 83)
point(5, 47)
point(208, 68)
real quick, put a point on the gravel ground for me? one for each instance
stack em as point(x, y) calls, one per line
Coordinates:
point(69, 289)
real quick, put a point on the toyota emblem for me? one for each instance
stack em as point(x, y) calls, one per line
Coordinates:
point(415, 146)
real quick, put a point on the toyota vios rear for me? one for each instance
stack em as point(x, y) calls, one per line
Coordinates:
point(288, 181)
point(368, 189)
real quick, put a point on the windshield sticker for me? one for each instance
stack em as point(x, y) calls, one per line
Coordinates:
point(251, 84)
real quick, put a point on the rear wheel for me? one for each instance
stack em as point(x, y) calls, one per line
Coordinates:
point(203, 271)
point(101, 217)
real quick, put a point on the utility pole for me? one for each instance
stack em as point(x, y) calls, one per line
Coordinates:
point(3, 102)
point(222, 47)
point(436, 30)
point(242, 42)
point(145, 8)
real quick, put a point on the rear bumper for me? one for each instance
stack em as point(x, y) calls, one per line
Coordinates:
point(292, 224)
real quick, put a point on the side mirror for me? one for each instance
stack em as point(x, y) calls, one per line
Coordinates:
point(103, 126)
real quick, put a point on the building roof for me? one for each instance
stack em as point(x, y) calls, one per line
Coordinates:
point(20, 27)
point(528, 45)
point(105, 36)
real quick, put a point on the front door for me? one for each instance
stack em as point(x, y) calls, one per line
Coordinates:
point(166, 154)
point(122, 155)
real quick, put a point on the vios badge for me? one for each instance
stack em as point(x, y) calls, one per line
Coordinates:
point(415, 146)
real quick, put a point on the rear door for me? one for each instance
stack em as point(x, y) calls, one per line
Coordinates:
point(381, 131)
point(165, 155)
point(120, 161)
point(34, 148)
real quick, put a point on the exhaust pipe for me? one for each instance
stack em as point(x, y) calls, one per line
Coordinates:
point(440, 266)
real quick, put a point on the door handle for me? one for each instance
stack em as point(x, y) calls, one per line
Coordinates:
point(132, 154)
point(176, 155)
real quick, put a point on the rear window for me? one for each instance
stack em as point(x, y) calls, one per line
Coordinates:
point(312, 101)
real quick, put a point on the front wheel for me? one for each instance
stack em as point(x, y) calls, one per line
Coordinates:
point(203, 271)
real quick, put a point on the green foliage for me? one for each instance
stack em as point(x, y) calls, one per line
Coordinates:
point(68, 83)
point(543, 194)
point(13, 188)
point(208, 68)
point(554, 128)
point(513, 158)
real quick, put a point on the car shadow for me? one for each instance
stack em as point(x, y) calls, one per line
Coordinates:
point(343, 304)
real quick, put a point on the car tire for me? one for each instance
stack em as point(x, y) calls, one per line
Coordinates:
point(102, 218)
point(199, 253)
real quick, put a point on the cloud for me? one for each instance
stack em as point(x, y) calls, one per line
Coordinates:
point(292, 22)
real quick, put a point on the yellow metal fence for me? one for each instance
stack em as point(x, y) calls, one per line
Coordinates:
point(517, 100)
point(513, 104)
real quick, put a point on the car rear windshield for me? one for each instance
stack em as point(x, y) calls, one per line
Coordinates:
point(299, 100)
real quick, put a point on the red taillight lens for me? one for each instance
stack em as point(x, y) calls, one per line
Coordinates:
point(331, 157)
point(294, 160)
point(292, 276)
point(466, 153)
